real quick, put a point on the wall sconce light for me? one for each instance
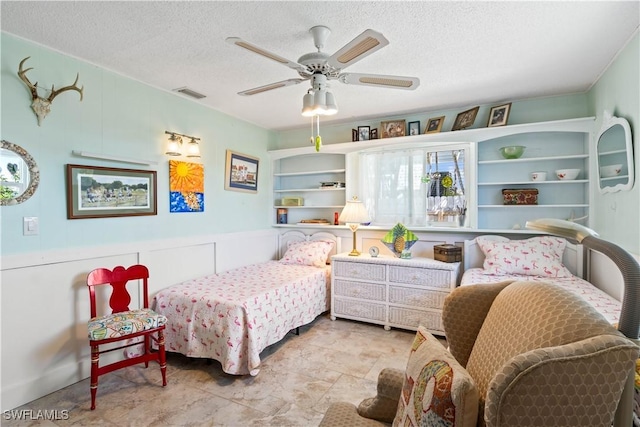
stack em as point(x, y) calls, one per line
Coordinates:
point(175, 145)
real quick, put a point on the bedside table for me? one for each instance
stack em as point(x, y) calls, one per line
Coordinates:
point(392, 292)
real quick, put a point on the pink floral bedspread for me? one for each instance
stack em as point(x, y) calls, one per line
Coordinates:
point(604, 303)
point(232, 316)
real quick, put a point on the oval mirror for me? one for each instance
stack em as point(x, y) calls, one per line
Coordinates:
point(19, 175)
point(615, 155)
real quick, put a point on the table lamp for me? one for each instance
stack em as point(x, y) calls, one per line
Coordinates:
point(354, 214)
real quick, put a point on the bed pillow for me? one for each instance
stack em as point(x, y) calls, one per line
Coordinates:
point(308, 253)
point(437, 390)
point(537, 256)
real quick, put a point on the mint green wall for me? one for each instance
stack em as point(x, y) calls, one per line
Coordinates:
point(618, 91)
point(120, 117)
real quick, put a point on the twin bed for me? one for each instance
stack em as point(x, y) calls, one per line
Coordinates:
point(491, 259)
point(232, 316)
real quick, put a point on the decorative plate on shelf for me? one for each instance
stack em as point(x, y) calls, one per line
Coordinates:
point(399, 239)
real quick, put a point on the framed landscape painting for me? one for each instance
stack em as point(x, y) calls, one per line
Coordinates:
point(101, 192)
point(241, 172)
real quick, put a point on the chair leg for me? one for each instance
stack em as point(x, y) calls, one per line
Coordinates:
point(147, 348)
point(95, 357)
point(162, 357)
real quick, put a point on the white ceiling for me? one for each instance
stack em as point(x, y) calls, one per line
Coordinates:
point(464, 53)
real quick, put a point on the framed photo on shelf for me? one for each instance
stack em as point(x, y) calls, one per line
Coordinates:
point(465, 119)
point(354, 135)
point(499, 115)
point(241, 172)
point(434, 125)
point(393, 128)
point(102, 192)
point(363, 133)
point(414, 128)
point(374, 133)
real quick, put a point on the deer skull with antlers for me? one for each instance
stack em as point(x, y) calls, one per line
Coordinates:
point(42, 106)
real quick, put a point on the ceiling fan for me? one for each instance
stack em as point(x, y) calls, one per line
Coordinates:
point(319, 67)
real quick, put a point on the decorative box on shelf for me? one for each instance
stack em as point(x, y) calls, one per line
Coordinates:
point(521, 196)
point(292, 201)
point(447, 253)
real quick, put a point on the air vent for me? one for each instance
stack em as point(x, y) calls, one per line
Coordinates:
point(189, 92)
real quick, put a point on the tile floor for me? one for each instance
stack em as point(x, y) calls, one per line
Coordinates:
point(299, 378)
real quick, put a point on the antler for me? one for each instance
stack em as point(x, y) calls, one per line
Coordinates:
point(55, 93)
point(23, 77)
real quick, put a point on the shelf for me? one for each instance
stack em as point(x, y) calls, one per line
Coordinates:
point(610, 153)
point(533, 159)
point(611, 178)
point(321, 172)
point(573, 181)
point(582, 205)
point(298, 190)
point(309, 207)
point(121, 159)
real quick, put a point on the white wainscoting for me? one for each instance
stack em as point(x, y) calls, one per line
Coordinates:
point(45, 302)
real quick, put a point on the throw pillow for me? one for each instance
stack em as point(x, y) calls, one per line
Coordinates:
point(537, 256)
point(437, 390)
point(308, 253)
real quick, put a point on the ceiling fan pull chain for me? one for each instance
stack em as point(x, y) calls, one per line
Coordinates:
point(318, 137)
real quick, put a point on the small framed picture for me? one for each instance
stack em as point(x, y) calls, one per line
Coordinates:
point(465, 119)
point(374, 133)
point(499, 115)
point(434, 125)
point(354, 135)
point(241, 172)
point(414, 128)
point(363, 133)
point(393, 128)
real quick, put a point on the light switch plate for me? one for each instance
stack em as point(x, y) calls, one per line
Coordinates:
point(30, 226)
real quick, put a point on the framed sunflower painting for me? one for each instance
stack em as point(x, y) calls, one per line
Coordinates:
point(186, 186)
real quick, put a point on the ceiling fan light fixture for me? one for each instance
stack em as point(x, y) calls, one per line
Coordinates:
point(331, 107)
point(307, 105)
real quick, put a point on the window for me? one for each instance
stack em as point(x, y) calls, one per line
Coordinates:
point(417, 187)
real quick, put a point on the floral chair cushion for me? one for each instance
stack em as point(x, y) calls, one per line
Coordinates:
point(124, 323)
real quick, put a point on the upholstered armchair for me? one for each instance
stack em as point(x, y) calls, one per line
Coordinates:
point(520, 354)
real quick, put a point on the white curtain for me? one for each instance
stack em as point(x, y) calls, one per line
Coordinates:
point(393, 189)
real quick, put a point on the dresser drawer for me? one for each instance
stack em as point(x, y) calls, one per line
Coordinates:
point(420, 276)
point(352, 270)
point(413, 318)
point(361, 290)
point(422, 298)
point(361, 309)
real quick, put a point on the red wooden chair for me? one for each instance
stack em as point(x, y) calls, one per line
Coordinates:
point(123, 324)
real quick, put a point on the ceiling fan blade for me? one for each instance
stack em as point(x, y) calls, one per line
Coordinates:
point(255, 49)
point(365, 44)
point(271, 86)
point(379, 80)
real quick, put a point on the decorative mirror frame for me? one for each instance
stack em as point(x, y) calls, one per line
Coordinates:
point(609, 121)
point(34, 173)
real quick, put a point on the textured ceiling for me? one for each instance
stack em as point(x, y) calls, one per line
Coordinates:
point(464, 53)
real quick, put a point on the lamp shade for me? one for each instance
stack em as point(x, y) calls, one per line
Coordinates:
point(173, 145)
point(193, 149)
point(331, 106)
point(354, 212)
point(307, 105)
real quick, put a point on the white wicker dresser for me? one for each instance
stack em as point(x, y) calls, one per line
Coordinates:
point(392, 292)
